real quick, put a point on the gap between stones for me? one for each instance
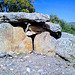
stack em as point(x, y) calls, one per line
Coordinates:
point(25, 26)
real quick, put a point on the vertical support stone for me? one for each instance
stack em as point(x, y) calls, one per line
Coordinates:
point(5, 37)
point(14, 39)
point(21, 43)
point(43, 44)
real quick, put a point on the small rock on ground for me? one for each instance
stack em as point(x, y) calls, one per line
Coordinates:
point(34, 64)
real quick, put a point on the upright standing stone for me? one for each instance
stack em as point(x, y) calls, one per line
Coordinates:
point(43, 44)
point(14, 39)
point(6, 31)
point(21, 43)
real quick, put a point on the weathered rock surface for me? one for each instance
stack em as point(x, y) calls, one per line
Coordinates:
point(69, 36)
point(65, 46)
point(5, 37)
point(18, 41)
point(14, 39)
point(43, 44)
point(38, 22)
point(53, 27)
point(22, 16)
point(21, 43)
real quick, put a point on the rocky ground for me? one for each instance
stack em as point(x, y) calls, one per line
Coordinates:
point(34, 64)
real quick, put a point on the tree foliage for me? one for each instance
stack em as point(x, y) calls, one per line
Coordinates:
point(54, 19)
point(17, 6)
point(66, 27)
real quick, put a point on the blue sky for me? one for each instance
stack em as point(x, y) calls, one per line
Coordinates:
point(64, 9)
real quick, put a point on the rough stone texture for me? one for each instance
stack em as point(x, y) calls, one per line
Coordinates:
point(43, 44)
point(53, 27)
point(18, 35)
point(69, 36)
point(65, 46)
point(22, 16)
point(38, 22)
point(5, 37)
point(32, 23)
point(21, 43)
point(14, 39)
point(33, 64)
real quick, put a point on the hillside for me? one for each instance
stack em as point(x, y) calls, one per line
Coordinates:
point(72, 23)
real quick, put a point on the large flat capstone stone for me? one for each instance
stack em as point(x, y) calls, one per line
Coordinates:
point(22, 16)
